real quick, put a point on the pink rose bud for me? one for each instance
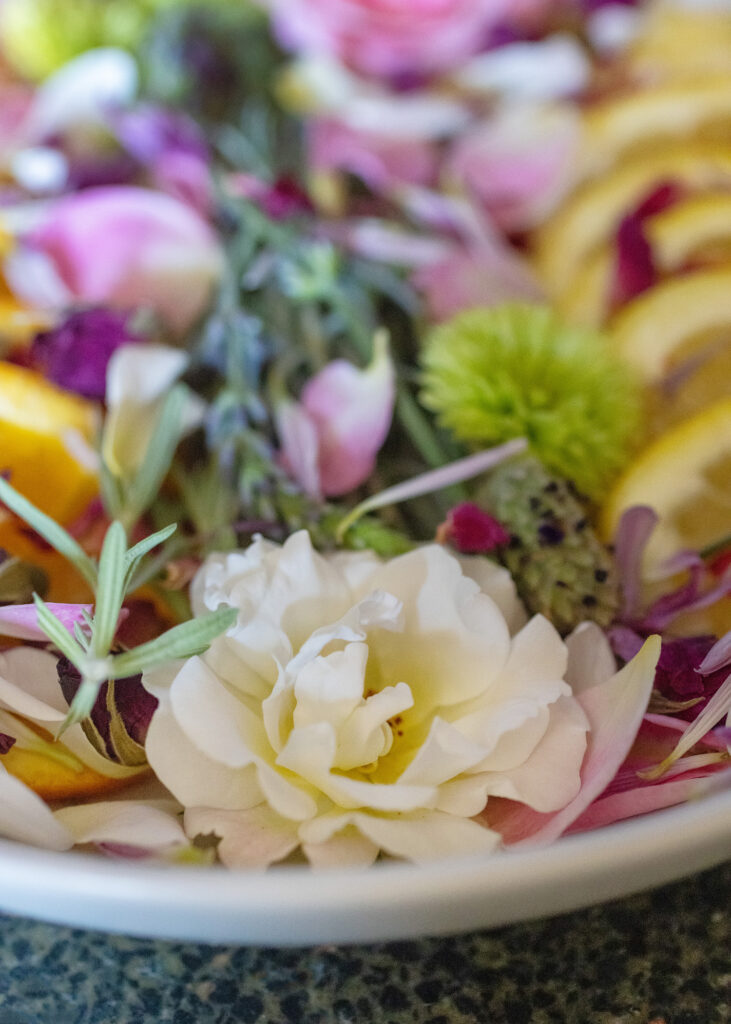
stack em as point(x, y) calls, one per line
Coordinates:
point(132, 248)
point(347, 412)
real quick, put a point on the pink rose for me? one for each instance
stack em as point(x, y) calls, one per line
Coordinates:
point(132, 248)
point(392, 38)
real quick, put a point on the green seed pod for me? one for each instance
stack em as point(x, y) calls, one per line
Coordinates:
point(560, 567)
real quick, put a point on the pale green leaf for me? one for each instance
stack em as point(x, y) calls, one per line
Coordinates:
point(110, 589)
point(181, 641)
point(51, 532)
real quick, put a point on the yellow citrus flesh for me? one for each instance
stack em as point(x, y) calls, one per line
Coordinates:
point(52, 780)
point(685, 475)
point(674, 321)
point(697, 229)
point(593, 212)
point(620, 126)
point(681, 45)
point(38, 422)
point(694, 229)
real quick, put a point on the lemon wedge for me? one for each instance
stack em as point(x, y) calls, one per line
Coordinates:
point(65, 778)
point(681, 44)
point(685, 475)
point(694, 229)
point(44, 438)
point(667, 112)
point(592, 213)
point(674, 321)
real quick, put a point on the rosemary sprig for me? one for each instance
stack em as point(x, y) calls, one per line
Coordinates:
point(89, 649)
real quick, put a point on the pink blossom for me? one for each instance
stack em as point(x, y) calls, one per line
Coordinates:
point(380, 161)
point(330, 440)
point(393, 38)
point(517, 165)
point(480, 275)
point(131, 248)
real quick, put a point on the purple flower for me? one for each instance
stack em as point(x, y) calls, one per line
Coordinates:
point(75, 354)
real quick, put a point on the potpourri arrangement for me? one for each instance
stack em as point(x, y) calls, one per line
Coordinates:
point(365, 423)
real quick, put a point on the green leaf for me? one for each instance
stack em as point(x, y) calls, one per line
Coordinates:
point(136, 553)
point(181, 641)
point(158, 457)
point(57, 632)
point(81, 705)
point(51, 532)
point(110, 589)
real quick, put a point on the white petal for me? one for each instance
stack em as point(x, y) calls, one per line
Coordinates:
point(27, 678)
point(366, 736)
point(291, 801)
point(551, 776)
point(131, 823)
point(25, 818)
point(191, 776)
point(464, 797)
point(455, 640)
point(310, 753)
point(444, 755)
point(219, 724)
point(328, 689)
point(350, 850)
point(497, 583)
point(517, 729)
point(426, 836)
point(254, 838)
point(591, 660)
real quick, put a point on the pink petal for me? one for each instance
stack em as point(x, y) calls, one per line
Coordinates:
point(300, 446)
point(614, 706)
point(352, 410)
point(21, 620)
point(132, 247)
point(643, 799)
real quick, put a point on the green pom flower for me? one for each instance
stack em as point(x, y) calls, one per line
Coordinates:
point(517, 371)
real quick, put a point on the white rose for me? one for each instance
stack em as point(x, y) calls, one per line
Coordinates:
point(359, 706)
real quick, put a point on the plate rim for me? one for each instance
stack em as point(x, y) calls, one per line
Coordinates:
point(294, 906)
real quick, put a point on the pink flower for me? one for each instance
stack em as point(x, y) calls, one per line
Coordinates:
point(391, 38)
point(331, 438)
point(518, 164)
point(132, 248)
point(381, 161)
point(482, 275)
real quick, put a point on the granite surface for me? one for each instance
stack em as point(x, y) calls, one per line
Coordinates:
point(659, 957)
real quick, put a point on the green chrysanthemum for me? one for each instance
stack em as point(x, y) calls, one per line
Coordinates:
point(517, 371)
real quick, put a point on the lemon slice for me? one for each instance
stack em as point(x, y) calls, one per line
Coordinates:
point(674, 321)
point(681, 44)
point(698, 228)
point(685, 475)
point(41, 429)
point(667, 112)
point(53, 779)
point(592, 213)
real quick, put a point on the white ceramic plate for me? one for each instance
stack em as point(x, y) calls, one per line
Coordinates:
point(293, 906)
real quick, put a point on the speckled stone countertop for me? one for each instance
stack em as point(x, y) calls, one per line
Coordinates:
point(659, 957)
